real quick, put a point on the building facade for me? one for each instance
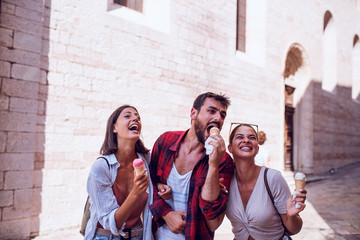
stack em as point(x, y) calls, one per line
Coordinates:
point(292, 67)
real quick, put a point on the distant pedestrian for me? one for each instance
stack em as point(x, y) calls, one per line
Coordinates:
point(250, 209)
point(262, 158)
point(119, 198)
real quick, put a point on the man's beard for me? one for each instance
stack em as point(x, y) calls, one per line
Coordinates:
point(200, 131)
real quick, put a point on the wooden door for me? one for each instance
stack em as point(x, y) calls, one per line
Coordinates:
point(289, 129)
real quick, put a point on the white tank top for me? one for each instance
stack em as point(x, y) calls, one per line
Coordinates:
point(178, 201)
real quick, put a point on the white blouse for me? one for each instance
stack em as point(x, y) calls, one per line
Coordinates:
point(260, 219)
point(103, 201)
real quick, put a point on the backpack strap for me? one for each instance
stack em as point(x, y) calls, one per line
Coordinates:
point(105, 160)
point(86, 214)
point(272, 197)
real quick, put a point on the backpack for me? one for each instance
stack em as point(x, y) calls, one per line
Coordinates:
point(86, 214)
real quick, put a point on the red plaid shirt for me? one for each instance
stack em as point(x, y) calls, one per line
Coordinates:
point(163, 155)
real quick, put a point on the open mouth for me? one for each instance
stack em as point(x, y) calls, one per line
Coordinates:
point(211, 125)
point(134, 127)
point(246, 148)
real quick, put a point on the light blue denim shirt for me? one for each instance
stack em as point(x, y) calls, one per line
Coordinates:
point(103, 201)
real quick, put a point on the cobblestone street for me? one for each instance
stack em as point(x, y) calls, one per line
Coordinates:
point(333, 208)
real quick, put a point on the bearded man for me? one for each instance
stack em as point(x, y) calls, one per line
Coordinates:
point(196, 205)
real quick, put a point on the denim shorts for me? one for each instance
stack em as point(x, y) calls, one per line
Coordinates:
point(101, 237)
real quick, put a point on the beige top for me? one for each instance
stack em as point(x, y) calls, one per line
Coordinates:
point(260, 219)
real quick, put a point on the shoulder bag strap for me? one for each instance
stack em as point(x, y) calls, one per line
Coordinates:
point(271, 196)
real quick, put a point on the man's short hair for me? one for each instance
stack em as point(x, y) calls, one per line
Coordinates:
point(199, 101)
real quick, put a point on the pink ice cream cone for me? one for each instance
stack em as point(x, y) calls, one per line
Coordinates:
point(138, 164)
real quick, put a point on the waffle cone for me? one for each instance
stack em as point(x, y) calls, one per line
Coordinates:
point(299, 184)
point(139, 169)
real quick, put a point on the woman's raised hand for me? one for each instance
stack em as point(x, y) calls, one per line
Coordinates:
point(164, 191)
point(141, 182)
point(296, 202)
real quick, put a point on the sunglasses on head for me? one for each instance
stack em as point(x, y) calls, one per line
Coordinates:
point(233, 125)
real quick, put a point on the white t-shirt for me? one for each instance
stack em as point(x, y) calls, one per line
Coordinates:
point(178, 201)
point(260, 219)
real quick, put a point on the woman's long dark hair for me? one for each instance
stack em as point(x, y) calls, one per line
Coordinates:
point(110, 144)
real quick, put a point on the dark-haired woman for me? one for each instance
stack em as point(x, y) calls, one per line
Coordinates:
point(250, 209)
point(118, 197)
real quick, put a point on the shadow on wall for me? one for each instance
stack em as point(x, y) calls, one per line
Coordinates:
point(40, 139)
point(23, 92)
point(335, 128)
point(39, 160)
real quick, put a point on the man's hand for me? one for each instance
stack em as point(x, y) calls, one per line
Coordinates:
point(219, 149)
point(175, 220)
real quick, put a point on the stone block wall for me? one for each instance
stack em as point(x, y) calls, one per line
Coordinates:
point(21, 117)
point(336, 125)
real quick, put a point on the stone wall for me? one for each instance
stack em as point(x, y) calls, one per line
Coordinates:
point(66, 65)
point(22, 115)
point(336, 125)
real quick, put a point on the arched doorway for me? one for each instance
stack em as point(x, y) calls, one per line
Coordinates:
point(297, 110)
